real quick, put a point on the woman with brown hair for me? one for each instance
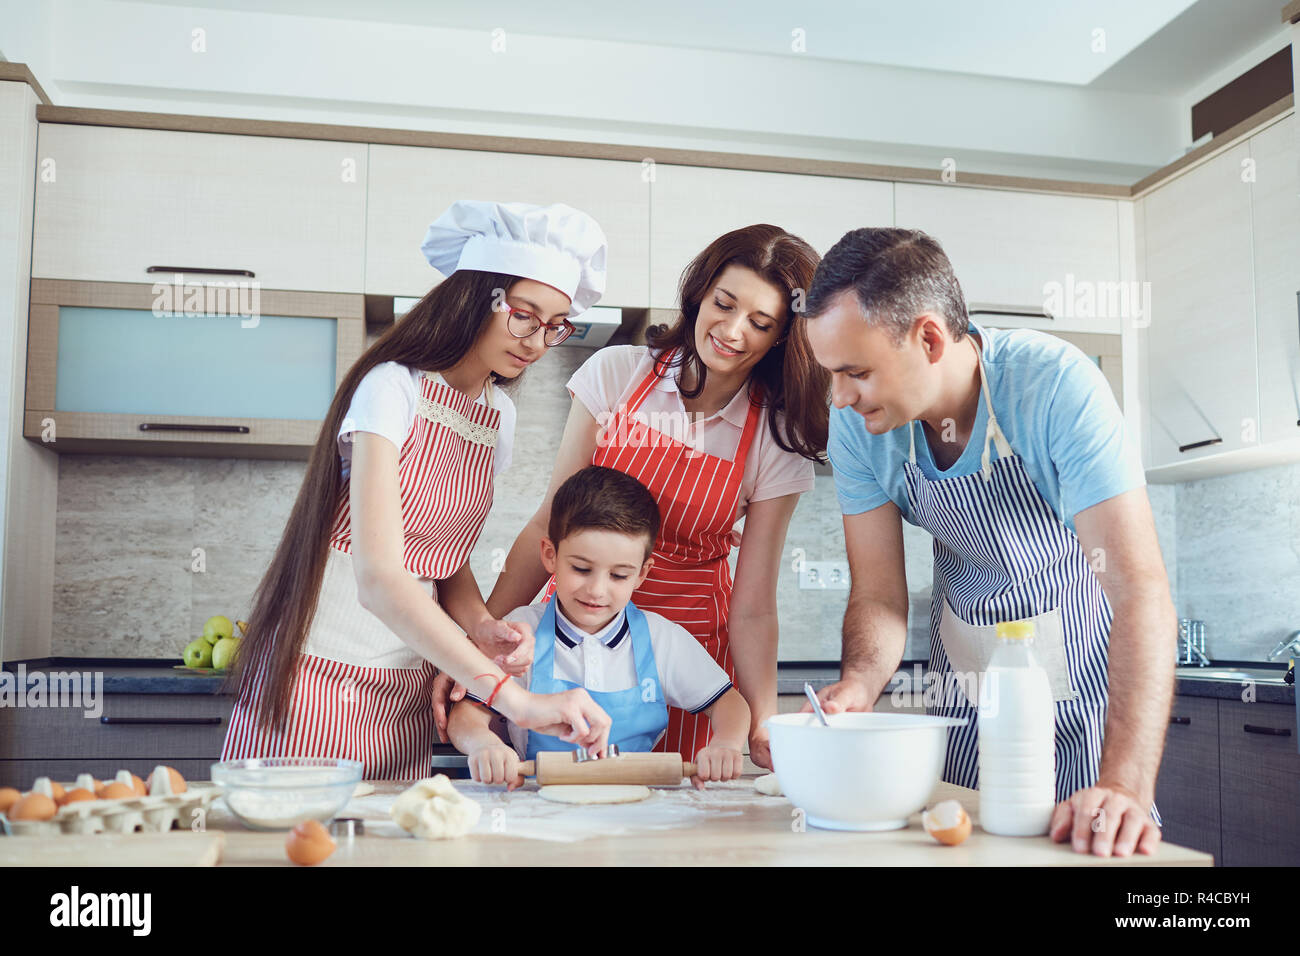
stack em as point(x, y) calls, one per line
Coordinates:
point(370, 586)
point(721, 416)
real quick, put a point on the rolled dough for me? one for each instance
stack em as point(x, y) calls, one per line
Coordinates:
point(599, 793)
point(768, 784)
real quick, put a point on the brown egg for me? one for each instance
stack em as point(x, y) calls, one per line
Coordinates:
point(57, 790)
point(948, 822)
point(8, 797)
point(114, 791)
point(76, 795)
point(309, 843)
point(177, 781)
point(138, 786)
point(34, 806)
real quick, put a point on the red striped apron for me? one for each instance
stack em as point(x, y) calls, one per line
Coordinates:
point(361, 692)
point(697, 493)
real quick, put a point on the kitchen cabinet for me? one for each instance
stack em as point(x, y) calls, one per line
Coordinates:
point(113, 202)
point(1187, 790)
point(1275, 218)
point(411, 186)
point(692, 205)
point(1201, 364)
point(134, 732)
point(126, 368)
point(1259, 780)
point(1009, 248)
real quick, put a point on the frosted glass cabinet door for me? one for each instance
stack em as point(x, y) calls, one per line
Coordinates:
point(130, 361)
point(115, 368)
point(111, 202)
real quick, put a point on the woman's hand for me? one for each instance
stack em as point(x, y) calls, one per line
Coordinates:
point(445, 693)
point(508, 643)
point(496, 764)
point(571, 716)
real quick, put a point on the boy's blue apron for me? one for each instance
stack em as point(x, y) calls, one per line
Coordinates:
point(639, 714)
point(1002, 554)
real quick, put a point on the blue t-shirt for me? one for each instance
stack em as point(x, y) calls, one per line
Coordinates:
point(1055, 408)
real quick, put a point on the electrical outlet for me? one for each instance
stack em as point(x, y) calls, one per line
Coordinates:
point(824, 576)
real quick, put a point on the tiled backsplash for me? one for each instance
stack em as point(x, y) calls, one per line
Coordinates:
point(128, 581)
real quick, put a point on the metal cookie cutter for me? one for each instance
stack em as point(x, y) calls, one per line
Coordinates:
point(581, 756)
point(347, 827)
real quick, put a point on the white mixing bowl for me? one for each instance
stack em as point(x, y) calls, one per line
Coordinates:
point(865, 771)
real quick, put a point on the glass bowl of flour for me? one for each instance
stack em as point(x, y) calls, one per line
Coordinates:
point(278, 793)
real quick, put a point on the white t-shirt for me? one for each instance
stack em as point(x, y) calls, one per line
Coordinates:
point(384, 404)
point(690, 678)
point(612, 374)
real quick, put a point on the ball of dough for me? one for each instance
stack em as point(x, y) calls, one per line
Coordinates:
point(768, 784)
point(433, 809)
point(595, 793)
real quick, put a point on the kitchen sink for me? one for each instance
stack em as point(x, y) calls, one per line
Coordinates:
point(1260, 675)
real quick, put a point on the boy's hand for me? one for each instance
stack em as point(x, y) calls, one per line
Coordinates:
point(495, 764)
point(718, 762)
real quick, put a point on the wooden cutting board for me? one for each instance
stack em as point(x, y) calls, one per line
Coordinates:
point(178, 848)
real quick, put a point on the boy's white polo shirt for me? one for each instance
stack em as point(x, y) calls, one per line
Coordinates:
point(690, 678)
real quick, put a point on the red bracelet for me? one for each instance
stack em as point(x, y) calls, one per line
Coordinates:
point(495, 690)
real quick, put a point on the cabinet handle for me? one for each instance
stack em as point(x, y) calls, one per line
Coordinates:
point(1270, 731)
point(172, 427)
point(1180, 720)
point(1201, 444)
point(200, 271)
point(137, 721)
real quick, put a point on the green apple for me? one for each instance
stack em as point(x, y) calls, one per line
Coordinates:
point(217, 627)
point(197, 653)
point(223, 652)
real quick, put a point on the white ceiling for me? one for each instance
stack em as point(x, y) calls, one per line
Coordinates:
point(1040, 40)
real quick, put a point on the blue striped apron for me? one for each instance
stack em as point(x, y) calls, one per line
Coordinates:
point(1002, 554)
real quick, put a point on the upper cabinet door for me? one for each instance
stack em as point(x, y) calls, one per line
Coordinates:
point(1029, 252)
point(111, 202)
point(693, 205)
point(1201, 342)
point(410, 186)
point(1275, 208)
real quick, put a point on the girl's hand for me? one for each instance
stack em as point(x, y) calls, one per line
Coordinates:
point(508, 643)
point(572, 716)
point(496, 764)
point(717, 762)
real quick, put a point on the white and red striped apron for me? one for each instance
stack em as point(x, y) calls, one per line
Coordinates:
point(697, 493)
point(361, 692)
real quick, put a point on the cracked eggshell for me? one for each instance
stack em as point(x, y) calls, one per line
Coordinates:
point(433, 809)
point(948, 822)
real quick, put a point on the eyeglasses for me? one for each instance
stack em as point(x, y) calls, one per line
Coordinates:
point(523, 324)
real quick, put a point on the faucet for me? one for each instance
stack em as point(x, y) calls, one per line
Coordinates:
point(1191, 635)
point(1290, 642)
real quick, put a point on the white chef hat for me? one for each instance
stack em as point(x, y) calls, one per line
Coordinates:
point(556, 244)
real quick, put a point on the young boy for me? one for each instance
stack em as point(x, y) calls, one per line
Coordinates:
point(633, 663)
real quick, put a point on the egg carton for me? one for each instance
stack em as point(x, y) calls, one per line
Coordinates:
point(156, 813)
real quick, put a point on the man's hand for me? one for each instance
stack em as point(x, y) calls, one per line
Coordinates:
point(1103, 820)
point(846, 694)
point(760, 746)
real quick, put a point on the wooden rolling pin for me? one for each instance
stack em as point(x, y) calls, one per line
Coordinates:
point(556, 767)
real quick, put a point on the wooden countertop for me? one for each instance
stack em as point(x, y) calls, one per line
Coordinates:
point(726, 825)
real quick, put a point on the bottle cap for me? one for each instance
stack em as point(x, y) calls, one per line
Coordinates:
point(1016, 630)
